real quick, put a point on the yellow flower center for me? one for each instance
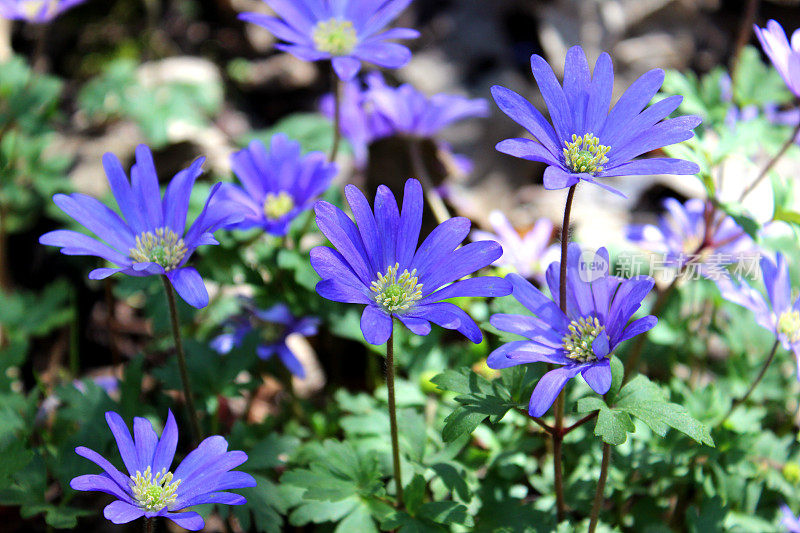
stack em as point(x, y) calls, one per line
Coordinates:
point(335, 36)
point(578, 342)
point(278, 205)
point(585, 154)
point(789, 325)
point(164, 248)
point(397, 293)
point(154, 493)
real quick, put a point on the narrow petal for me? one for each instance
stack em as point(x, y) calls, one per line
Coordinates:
point(120, 512)
point(145, 439)
point(598, 376)
point(482, 286)
point(74, 243)
point(527, 149)
point(187, 520)
point(343, 234)
point(338, 291)
point(367, 228)
point(124, 441)
point(656, 165)
point(291, 362)
point(526, 115)
point(165, 450)
point(121, 188)
point(383, 54)
point(545, 392)
point(376, 325)
point(441, 241)
point(189, 285)
point(410, 223)
point(118, 477)
point(101, 483)
point(637, 327)
point(418, 326)
point(553, 95)
point(346, 67)
point(556, 178)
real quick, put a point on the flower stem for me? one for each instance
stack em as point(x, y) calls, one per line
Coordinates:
point(789, 142)
point(148, 525)
point(601, 485)
point(558, 430)
point(740, 401)
point(336, 87)
point(393, 420)
point(434, 200)
point(176, 332)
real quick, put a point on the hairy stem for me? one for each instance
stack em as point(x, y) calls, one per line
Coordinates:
point(740, 401)
point(336, 87)
point(558, 430)
point(393, 420)
point(601, 485)
point(148, 525)
point(789, 142)
point(176, 332)
point(431, 195)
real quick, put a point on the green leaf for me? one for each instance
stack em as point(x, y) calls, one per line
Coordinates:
point(480, 399)
point(613, 426)
point(414, 493)
point(454, 480)
point(645, 400)
point(617, 375)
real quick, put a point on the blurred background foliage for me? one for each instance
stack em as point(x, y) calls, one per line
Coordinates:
point(189, 78)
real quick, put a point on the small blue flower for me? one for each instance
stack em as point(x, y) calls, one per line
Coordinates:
point(37, 11)
point(784, 54)
point(378, 263)
point(526, 254)
point(777, 313)
point(599, 307)
point(788, 520)
point(345, 31)
point(151, 237)
point(586, 141)
point(275, 325)
point(150, 489)
point(378, 111)
point(689, 232)
point(278, 184)
point(409, 112)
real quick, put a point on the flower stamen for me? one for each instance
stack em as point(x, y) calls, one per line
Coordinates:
point(154, 493)
point(335, 36)
point(397, 293)
point(789, 325)
point(585, 154)
point(277, 206)
point(163, 247)
point(578, 343)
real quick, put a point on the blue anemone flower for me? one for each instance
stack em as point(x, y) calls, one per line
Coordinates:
point(599, 307)
point(784, 53)
point(275, 325)
point(278, 184)
point(409, 112)
point(776, 313)
point(150, 238)
point(694, 231)
point(345, 31)
point(151, 489)
point(586, 141)
point(37, 11)
point(378, 263)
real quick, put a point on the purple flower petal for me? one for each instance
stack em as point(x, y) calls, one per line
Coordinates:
point(546, 390)
point(120, 512)
point(376, 325)
point(189, 286)
point(598, 376)
point(557, 178)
